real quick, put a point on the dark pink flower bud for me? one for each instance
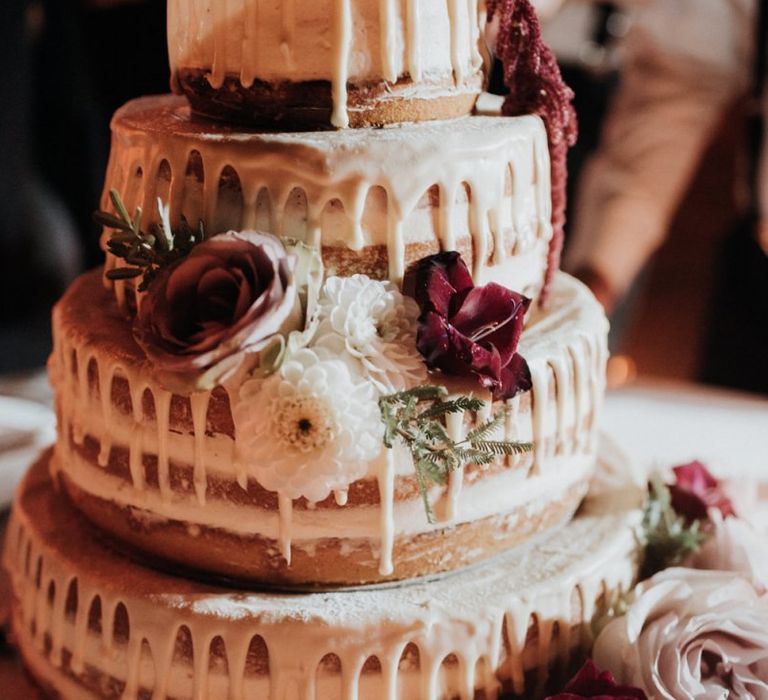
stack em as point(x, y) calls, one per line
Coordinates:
point(470, 331)
point(589, 682)
point(695, 491)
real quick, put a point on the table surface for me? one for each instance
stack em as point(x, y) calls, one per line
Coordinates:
point(658, 424)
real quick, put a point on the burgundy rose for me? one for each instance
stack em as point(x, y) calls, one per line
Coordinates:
point(228, 297)
point(589, 682)
point(695, 491)
point(470, 331)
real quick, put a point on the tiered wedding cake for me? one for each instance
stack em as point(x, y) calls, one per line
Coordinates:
point(305, 368)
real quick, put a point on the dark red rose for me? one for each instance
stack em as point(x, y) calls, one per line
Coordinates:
point(203, 314)
point(470, 331)
point(695, 491)
point(589, 682)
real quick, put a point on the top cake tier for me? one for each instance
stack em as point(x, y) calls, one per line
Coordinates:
point(326, 63)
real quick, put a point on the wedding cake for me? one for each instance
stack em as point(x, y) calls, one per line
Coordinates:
point(324, 370)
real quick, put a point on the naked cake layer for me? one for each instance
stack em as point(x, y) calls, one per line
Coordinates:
point(373, 201)
point(166, 472)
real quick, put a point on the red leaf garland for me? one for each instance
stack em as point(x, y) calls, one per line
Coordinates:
point(535, 86)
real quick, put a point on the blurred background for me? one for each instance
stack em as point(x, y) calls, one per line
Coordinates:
point(663, 223)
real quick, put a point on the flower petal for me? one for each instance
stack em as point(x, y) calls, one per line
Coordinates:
point(438, 278)
point(225, 300)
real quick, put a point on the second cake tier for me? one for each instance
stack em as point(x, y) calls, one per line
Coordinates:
point(374, 201)
point(169, 474)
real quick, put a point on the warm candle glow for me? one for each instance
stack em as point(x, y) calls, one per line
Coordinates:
point(621, 370)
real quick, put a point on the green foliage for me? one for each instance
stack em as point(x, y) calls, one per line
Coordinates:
point(145, 252)
point(665, 536)
point(416, 418)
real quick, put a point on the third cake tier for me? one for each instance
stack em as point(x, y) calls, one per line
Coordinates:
point(374, 201)
point(175, 477)
point(326, 63)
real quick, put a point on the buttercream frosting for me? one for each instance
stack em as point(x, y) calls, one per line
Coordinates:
point(355, 191)
point(429, 41)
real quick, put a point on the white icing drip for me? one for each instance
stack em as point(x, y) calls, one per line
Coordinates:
point(81, 389)
point(250, 43)
point(380, 178)
point(413, 40)
point(132, 677)
point(396, 250)
point(539, 394)
point(287, 24)
point(387, 17)
point(77, 661)
point(162, 399)
point(342, 37)
point(106, 375)
point(454, 10)
point(591, 560)
point(285, 506)
point(598, 383)
point(578, 354)
point(218, 66)
point(454, 424)
point(565, 394)
point(136, 449)
point(199, 403)
point(387, 510)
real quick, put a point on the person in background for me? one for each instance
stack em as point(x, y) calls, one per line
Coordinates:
point(69, 65)
point(686, 62)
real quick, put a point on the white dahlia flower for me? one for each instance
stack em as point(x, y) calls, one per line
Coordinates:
point(373, 325)
point(310, 428)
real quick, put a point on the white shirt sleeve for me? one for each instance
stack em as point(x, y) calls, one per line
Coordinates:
point(686, 61)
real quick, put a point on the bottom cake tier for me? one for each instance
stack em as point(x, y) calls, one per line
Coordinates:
point(92, 623)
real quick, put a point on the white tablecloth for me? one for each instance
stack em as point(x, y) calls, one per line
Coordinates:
point(662, 424)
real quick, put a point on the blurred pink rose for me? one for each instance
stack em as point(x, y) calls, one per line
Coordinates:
point(695, 491)
point(202, 314)
point(691, 634)
point(590, 682)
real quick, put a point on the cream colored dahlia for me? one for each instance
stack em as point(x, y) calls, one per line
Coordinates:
point(310, 428)
point(373, 325)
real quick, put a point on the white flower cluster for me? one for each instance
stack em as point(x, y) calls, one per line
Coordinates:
point(372, 325)
point(313, 426)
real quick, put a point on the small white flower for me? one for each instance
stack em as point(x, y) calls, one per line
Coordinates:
point(310, 428)
point(372, 325)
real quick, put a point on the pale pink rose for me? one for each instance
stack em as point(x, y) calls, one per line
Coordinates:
point(691, 634)
point(735, 545)
point(203, 314)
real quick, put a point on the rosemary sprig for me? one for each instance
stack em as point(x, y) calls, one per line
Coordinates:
point(665, 536)
point(146, 252)
point(416, 418)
